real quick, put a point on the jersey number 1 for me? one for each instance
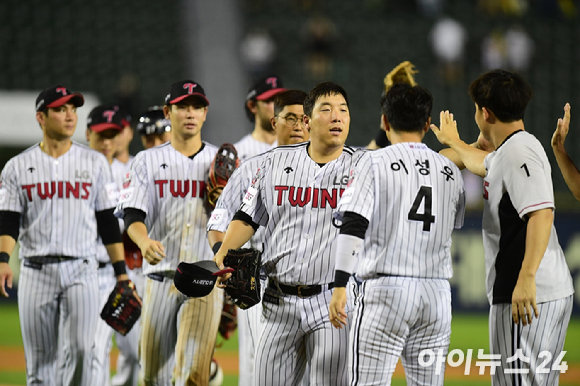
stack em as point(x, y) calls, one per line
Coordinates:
point(426, 218)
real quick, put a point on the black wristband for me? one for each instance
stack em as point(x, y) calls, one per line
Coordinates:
point(4, 257)
point(341, 278)
point(119, 268)
point(216, 247)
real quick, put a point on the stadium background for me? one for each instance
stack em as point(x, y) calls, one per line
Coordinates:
point(130, 52)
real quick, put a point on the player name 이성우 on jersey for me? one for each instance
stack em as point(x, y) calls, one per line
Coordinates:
point(170, 189)
point(293, 191)
point(422, 198)
point(49, 190)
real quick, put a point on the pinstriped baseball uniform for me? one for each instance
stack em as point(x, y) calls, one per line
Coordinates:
point(293, 198)
point(57, 198)
point(178, 333)
point(248, 147)
point(518, 182)
point(413, 198)
point(249, 324)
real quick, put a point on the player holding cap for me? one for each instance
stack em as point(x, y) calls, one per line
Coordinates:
point(259, 109)
point(164, 215)
point(56, 198)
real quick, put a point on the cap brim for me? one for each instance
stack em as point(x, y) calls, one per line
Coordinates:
point(105, 126)
point(269, 94)
point(223, 271)
point(195, 94)
point(76, 99)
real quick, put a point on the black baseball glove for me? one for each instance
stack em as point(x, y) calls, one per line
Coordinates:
point(244, 285)
point(123, 307)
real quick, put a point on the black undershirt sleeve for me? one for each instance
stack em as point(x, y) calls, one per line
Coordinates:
point(131, 215)
point(243, 216)
point(108, 226)
point(354, 224)
point(9, 224)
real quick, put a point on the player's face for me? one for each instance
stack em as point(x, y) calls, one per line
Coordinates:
point(187, 117)
point(288, 133)
point(104, 142)
point(58, 123)
point(264, 113)
point(330, 121)
point(124, 139)
point(152, 140)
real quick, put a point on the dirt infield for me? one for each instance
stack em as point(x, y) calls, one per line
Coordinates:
point(12, 359)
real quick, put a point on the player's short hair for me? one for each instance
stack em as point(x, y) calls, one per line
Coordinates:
point(407, 107)
point(321, 90)
point(287, 98)
point(506, 94)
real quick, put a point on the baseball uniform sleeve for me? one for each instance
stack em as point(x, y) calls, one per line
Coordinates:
point(253, 202)
point(228, 202)
point(10, 199)
point(460, 207)
point(107, 190)
point(359, 195)
point(136, 193)
point(526, 180)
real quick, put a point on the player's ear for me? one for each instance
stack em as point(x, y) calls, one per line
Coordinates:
point(273, 122)
point(252, 106)
point(88, 134)
point(427, 125)
point(385, 124)
point(307, 122)
point(40, 118)
point(166, 111)
point(488, 115)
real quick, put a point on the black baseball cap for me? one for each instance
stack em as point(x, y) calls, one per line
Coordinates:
point(56, 96)
point(153, 121)
point(197, 279)
point(265, 88)
point(185, 89)
point(105, 117)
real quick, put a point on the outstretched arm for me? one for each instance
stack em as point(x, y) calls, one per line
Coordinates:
point(471, 157)
point(567, 167)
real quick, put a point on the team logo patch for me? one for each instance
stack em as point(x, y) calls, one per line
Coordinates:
point(250, 195)
point(217, 217)
point(125, 195)
point(127, 180)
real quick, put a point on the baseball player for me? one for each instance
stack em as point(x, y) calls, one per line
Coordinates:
point(164, 215)
point(293, 195)
point(124, 139)
point(398, 212)
point(56, 198)
point(567, 167)
point(153, 127)
point(527, 275)
point(259, 108)
point(288, 124)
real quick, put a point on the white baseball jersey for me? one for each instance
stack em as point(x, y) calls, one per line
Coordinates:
point(170, 188)
point(293, 197)
point(519, 182)
point(248, 147)
point(413, 198)
point(57, 198)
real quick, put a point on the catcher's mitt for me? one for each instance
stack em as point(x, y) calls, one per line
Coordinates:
point(229, 320)
point(223, 165)
point(244, 285)
point(123, 307)
point(402, 73)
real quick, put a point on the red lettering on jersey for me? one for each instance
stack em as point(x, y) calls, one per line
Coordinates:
point(161, 183)
point(48, 193)
point(325, 198)
point(190, 87)
point(298, 198)
point(86, 186)
point(485, 193)
point(315, 198)
point(202, 189)
point(273, 81)
point(60, 195)
point(280, 190)
point(29, 190)
point(74, 190)
point(179, 192)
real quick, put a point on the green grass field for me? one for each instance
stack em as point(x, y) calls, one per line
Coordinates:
point(469, 331)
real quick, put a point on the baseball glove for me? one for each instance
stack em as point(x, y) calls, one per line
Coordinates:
point(244, 284)
point(123, 307)
point(229, 320)
point(133, 256)
point(223, 165)
point(402, 73)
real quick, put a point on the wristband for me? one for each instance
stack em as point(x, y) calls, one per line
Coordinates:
point(216, 247)
point(4, 257)
point(341, 278)
point(119, 268)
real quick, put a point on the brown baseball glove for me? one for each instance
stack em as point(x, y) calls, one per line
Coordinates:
point(224, 163)
point(229, 319)
point(402, 73)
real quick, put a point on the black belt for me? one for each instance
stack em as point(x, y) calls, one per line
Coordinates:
point(103, 265)
point(50, 259)
point(302, 291)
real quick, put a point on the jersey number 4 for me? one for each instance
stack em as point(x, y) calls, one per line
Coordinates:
point(424, 194)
